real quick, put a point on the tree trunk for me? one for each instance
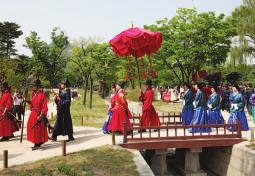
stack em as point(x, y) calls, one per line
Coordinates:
point(91, 92)
point(85, 91)
point(132, 83)
point(103, 90)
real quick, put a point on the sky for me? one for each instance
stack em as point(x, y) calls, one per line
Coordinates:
point(101, 19)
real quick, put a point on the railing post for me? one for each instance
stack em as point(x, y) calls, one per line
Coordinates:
point(239, 133)
point(81, 121)
point(63, 148)
point(5, 154)
point(140, 122)
point(113, 138)
point(125, 133)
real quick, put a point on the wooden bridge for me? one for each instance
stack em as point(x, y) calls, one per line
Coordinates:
point(172, 134)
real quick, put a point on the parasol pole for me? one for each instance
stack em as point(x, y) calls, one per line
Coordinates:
point(138, 69)
point(139, 78)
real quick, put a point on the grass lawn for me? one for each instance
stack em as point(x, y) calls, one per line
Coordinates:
point(167, 107)
point(102, 161)
point(92, 117)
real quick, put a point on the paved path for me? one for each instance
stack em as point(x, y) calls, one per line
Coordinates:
point(86, 138)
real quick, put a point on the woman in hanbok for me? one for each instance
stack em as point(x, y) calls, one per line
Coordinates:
point(200, 115)
point(187, 110)
point(111, 106)
point(120, 113)
point(213, 104)
point(252, 102)
point(237, 109)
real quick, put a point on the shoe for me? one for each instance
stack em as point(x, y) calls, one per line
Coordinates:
point(12, 136)
point(4, 139)
point(53, 139)
point(70, 139)
point(36, 146)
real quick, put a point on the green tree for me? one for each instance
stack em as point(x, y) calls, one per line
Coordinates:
point(105, 66)
point(244, 19)
point(81, 58)
point(192, 40)
point(9, 31)
point(49, 59)
point(96, 63)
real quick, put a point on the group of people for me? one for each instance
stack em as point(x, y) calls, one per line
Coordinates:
point(38, 126)
point(119, 113)
point(199, 109)
point(201, 105)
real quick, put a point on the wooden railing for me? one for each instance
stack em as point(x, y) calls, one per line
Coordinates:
point(165, 119)
point(179, 132)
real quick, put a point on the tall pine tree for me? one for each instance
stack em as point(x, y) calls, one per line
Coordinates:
point(9, 31)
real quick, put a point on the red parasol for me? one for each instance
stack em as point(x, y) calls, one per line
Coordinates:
point(136, 42)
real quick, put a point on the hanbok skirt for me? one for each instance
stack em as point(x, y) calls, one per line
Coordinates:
point(233, 120)
point(106, 123)
point(150, 118)
point(215, 117)
point(200, 118)
point(187, 115)
point(120, 116)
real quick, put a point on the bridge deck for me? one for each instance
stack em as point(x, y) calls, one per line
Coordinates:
point(191, 143)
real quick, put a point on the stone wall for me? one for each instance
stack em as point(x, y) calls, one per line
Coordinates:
point(228, 161)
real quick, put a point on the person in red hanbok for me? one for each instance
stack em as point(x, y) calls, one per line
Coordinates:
point(149, 116)
point(7, 124)
point(36, 126)
point(120, 112)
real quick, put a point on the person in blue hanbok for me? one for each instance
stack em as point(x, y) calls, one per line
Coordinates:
point(213, 104)
point(252, 102)
point(200, 115)
point(187, 111)
point(237, 109)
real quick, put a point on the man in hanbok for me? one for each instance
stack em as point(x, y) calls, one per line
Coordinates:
point(200, 115)
point(187, 110)
point(63, 125)
point(237, 109)
point(37, 122)
point(7, 124)
point(213, 105)
point(149, 115)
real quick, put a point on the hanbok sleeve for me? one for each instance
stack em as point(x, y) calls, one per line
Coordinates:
point(44, 110)
point(197, 99)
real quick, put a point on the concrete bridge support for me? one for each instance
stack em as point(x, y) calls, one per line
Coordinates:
point(158, 162)
point(192, 163)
